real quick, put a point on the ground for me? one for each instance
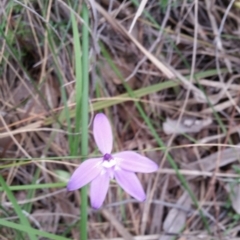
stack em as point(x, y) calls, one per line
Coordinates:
point(166, 74)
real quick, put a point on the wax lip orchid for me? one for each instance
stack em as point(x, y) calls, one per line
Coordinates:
point(121, 166)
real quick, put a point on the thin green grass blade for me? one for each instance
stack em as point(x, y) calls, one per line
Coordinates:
point(81, 112)
point(35, 186)
point(30, 231)
point(78, 87)
point(23, 219)
point(84, 110)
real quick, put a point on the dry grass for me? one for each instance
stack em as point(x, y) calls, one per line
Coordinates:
point(168, 43)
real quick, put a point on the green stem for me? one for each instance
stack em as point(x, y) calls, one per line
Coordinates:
point(84, 137)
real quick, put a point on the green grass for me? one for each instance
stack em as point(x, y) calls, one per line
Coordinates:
point(33, 186)
point(84, 125)
point(23, 219)
point(81, 112)
point(30, 231)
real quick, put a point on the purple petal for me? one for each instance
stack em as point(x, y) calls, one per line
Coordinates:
point(102, 133)
point(85, 173)
point(130, 183)
point(98, 190)
point(135, 162)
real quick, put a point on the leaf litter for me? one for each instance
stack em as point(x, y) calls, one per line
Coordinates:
point(204, 131)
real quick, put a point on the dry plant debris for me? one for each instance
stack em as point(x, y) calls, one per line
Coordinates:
point(184, 58)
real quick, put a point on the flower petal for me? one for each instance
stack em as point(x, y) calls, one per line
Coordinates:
point(130, 183)
point(85, 173)
point(98, 190)
point(135, 162)
point(102, 133)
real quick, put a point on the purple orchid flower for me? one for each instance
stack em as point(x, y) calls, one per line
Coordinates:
point(120, 166)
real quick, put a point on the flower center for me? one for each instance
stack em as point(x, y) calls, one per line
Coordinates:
point(108, 161)
point(107, 157)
